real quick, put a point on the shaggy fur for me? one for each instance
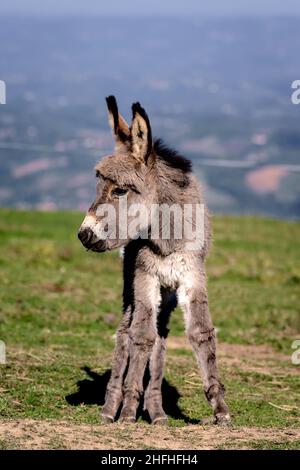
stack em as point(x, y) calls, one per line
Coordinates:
point(158, 272)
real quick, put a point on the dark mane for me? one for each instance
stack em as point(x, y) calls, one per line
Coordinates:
point(171, 157)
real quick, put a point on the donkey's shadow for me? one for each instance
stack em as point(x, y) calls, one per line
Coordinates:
point(91, 391)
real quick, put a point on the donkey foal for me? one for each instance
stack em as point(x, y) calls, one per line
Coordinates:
point(159, 271)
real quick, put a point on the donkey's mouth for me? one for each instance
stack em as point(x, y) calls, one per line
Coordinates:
point(98, 246)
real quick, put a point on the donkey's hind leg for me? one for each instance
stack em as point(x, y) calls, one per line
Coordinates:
point(201, 334)
point(153, 395)
point(114, 391)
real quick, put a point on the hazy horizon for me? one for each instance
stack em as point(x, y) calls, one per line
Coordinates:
point(217, 90)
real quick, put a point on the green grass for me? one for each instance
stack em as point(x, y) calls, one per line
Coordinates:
point(60, 306)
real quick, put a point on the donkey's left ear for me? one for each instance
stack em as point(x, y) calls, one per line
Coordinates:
point(118, 124)
point(141, 134)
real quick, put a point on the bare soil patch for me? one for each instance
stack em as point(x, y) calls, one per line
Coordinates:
point(33, 434)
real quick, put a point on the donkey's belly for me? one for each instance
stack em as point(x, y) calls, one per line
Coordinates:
point(171, 270)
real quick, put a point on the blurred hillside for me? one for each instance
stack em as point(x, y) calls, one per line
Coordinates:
point(219, 90)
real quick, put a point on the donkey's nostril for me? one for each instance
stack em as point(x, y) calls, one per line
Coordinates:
point(85, 236)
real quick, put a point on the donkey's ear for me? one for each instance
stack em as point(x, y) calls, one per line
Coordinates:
point(141, 134)
point(118, 124)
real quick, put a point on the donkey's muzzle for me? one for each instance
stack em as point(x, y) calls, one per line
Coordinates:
point(85, 235)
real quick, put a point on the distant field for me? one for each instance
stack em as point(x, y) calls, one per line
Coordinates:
point(60, 307)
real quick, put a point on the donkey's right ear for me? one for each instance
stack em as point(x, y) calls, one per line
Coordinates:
point(118, 124)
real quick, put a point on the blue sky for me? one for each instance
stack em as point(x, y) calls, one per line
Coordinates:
point(154, 7)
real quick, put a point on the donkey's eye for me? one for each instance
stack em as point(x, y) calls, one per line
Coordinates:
point(97, 174)
point(119, 191)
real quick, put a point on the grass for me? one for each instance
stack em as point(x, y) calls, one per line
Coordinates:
point(60, 306)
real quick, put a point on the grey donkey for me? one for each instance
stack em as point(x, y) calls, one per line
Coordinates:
point(159, 272)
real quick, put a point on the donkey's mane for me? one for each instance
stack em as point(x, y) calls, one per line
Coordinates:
point(171, 157)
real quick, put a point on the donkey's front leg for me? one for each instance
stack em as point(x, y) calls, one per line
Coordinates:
point(114, 391)
point(153, 395)
point(142, 335)
point(201, 334)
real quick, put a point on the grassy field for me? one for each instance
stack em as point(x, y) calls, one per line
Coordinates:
point(60, 307)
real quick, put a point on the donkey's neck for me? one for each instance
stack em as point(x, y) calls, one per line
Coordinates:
point(175, 187)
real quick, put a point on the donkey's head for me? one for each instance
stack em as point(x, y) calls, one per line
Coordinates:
point(124, 179)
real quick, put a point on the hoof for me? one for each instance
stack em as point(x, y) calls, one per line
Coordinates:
point(107, 419)
point(207, 421)
point(160, 421)
point(222, 420)
point(127, 419)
